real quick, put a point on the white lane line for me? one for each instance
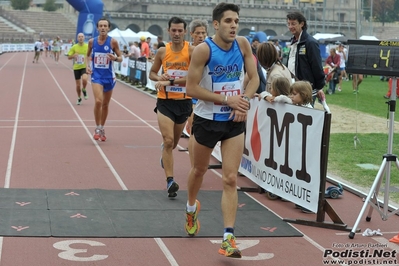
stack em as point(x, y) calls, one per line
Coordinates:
point(159, 241)
point(105, 158)
point(69, 120)
point(9, 60)
point(15, 128)
point(13, 138)
point(166, 252)
point(145, 127)
point(138, 117)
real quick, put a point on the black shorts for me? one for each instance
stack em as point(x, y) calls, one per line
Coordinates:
point(79, 73)
point(208, 132)
point(177, 110)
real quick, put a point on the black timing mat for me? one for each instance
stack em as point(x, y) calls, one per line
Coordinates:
point(117, 213)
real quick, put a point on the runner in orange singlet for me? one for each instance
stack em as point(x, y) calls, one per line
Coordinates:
point(173, 105)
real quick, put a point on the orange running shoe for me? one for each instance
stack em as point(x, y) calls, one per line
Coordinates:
point(229, 248)
point(192, 225)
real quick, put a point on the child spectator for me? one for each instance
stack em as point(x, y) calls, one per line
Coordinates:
point(301, 94)
point(154, 50)
point(125, 51)
point(279, 91)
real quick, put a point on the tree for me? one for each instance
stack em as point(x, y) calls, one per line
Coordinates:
point(49, 5)
point(383, 10)
point(20, 4)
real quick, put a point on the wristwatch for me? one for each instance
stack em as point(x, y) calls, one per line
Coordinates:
point(247, 98)
point(172, 81)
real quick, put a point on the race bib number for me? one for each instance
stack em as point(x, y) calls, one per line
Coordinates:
point(176, 74)
point(80, 60)
point(101, 60)
point(225, 88)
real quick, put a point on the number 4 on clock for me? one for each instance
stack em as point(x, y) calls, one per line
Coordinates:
point(385, 57)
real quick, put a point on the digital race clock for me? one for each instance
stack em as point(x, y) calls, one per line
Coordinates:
point(373, 58)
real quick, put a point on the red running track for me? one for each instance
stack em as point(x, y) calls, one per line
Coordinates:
point(46, 142)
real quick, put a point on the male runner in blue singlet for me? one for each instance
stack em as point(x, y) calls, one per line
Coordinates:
point(215, 77)
point(101, 52)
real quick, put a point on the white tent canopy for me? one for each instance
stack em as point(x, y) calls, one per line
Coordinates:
point(114, 33)
point(322, 36)
point(129, 32)
point(370, 38)
point(125, 36)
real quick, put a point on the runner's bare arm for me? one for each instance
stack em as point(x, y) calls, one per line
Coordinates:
point(117, 51)
point(157, 65)
point(198, 60)
point(88, 56)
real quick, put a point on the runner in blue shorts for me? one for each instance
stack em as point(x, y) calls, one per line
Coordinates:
point(101, 52)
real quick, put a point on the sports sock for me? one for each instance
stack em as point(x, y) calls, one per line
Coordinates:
point(191, 208)
point(228, 231)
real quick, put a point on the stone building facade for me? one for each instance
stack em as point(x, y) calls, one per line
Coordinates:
point(328, 16)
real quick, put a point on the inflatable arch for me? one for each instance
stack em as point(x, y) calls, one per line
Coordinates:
point(90, 11)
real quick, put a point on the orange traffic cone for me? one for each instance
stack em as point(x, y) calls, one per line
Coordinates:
point(395, 239)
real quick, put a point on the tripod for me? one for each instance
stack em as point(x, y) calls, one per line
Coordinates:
point(356, 140)
point(385, 167)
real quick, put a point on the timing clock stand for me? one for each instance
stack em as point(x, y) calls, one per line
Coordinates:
point(385, 169)
point(356, 140)
point(377, 58)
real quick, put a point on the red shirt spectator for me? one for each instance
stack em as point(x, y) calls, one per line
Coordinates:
point(333, 60)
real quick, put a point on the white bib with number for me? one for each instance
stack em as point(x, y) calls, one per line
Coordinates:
point(176, 74)
point(80, 59)
point(225, 88)
point(101, 60)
